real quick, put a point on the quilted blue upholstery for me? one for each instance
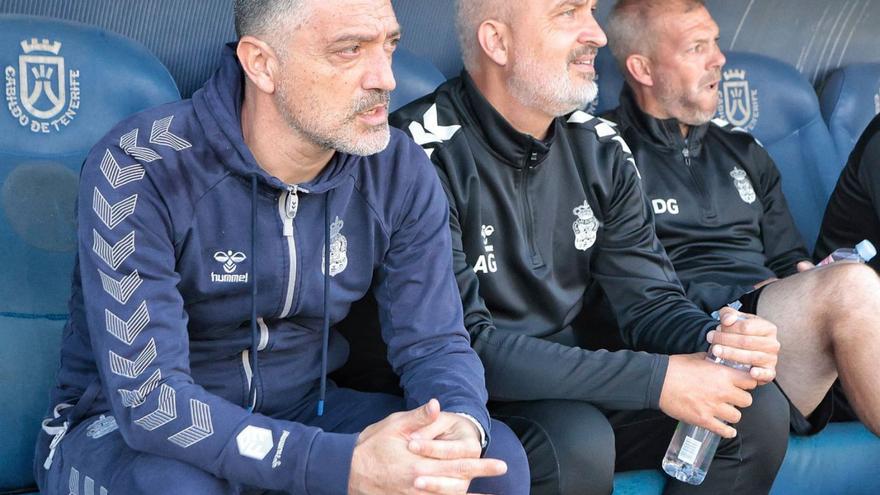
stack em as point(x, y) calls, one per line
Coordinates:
point(778, 106)
point(64, 98)
point(849, 100)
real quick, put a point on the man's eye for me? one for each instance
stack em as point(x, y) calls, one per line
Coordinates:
point(351, 50)
point(568, 13)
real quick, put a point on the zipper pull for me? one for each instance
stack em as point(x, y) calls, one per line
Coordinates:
point(292, 204)
point(687, 156)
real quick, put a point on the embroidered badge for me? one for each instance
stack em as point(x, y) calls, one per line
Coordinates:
point(585, 227)
point(102, 426)
point(338, 249)
point(743, 185)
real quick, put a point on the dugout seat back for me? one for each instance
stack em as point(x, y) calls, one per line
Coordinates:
point(771, 100)
point(849, 101)
point(66, 85)
point(415, 77)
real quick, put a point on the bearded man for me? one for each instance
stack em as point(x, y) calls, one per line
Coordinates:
point(546, 201)
point(220, 240)
point(731, 237)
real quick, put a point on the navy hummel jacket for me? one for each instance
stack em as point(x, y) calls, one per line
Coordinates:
point(161, 307)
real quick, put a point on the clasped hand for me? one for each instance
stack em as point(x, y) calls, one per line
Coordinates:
point(422, 451)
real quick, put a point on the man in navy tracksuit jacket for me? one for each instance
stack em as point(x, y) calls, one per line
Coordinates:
point(195, 357)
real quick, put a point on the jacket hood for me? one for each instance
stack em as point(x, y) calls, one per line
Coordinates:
point(659, 133)
point(218, 109)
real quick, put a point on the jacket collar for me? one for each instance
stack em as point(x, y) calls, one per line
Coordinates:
point(514, 147)
point(218, 108)
point(659, 133)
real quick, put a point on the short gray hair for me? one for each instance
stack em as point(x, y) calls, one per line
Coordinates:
point(470, 14)
point(264, 18)
point(630, 28)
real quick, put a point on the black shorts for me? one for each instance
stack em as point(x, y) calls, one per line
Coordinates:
point(800, 424)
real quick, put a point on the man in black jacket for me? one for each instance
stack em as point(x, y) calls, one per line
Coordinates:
point(723, 220)
point(542, 205)
point(853, 211)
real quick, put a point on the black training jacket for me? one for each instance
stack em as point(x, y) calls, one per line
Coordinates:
point(534, 223)
point(717, 204)
point(853, 212)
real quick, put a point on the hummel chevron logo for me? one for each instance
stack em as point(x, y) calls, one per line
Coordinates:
point(119, 176)
point(432, 132)
point(133, 369)
point(116, 254)
point(121, 289)
point(127, 331)
point(165, 413)
point(160, 134)
point(113, 215)
point(580, 117)
point(201, 426)
point(129, 145)
point(134, 398)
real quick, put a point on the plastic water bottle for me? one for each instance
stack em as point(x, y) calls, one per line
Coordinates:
point(692, 448)
point(862, 253)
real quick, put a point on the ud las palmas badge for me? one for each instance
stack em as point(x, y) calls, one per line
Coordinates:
point(42, 94)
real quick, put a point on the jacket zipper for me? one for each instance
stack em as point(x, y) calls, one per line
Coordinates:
point(246, 356)
point(531, 158)
point(288, 204)
point(705, 203)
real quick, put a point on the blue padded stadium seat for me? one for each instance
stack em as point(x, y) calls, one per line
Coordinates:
point(66, 85)
point(779, 107)
point(415, 77)
point(610, 81)
point(849, 100)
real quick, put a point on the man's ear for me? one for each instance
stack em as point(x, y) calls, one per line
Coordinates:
point(259, 62)
point(640, 69)
point(494, 38)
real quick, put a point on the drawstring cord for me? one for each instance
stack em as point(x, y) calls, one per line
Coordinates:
point(255, 333)
point(326, 326)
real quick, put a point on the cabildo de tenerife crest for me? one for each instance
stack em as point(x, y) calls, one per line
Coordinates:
point(42, 94)
point(738, 103)
point(743, 185)
point(584, 227)
point(338, 249)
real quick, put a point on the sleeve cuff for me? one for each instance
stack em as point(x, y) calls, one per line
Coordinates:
point(484, 441)
point(330, 463)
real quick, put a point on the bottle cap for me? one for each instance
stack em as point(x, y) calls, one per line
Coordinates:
point(866, 250)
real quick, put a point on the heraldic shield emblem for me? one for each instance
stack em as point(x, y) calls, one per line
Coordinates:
point(42, 81)
point(585, 227)
point(738, 103)
point(338, 249)
point(743, 185)
point(42, 93)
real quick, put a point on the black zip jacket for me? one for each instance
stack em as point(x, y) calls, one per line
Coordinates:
point(853, 212)
point(534, 223)
point(717, 203)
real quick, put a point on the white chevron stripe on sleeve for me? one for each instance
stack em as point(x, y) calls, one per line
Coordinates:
point(73, 481)
point(119, 176)
point(116, 254)
point(113, 215)
point(88, 486)
point(201, 428)
point(162, 136)
point(164, 413)
point(129, 145)
point(134, 398)
point(133, 369)
point(127, 331)
point(121, 289)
